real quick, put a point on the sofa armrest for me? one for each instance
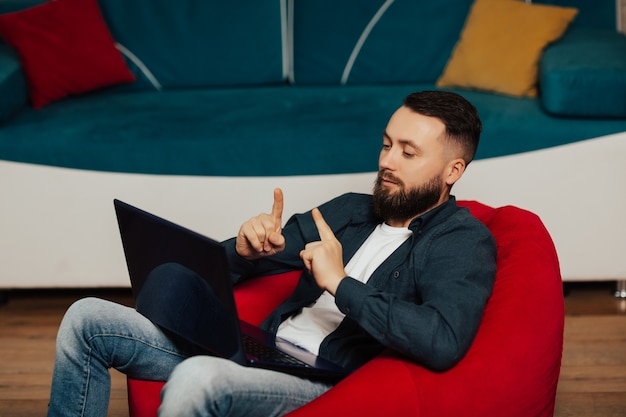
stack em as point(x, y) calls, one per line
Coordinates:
point(13, 89)
point(584, 74)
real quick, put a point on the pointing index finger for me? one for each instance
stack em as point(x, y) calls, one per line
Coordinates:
point(323, 228)
point(277, 208)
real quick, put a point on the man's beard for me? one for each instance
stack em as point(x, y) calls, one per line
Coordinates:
point(404, 204)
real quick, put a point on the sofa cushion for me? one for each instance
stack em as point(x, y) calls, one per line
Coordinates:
point(200, 43)
point(65, 48)
point(501, 44)
point(373, 41)
point(264, 131)
point(584, 74)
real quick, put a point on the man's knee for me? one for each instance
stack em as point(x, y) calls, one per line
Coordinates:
point(79, 323)
point(81, 313)
point(199, 384)
point(86, 317)
point(206, 373)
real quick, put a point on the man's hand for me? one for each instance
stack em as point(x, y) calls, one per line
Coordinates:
point(324, 259)
point(262, 235)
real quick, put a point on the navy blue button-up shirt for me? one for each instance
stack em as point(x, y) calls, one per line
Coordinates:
point(424, 301)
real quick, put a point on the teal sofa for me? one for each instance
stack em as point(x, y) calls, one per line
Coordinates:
point(278, 89)
point(222, 80)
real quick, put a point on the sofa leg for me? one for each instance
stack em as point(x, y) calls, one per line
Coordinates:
point(620, 290)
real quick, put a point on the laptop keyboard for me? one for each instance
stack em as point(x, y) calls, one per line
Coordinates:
point(259, 352)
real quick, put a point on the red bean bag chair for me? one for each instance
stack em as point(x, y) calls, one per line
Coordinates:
point(512, 368)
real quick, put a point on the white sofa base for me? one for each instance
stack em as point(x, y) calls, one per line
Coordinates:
point(58, 227)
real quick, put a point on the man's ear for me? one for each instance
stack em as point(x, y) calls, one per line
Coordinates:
point(455, 170)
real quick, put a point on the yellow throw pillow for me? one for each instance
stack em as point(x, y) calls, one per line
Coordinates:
point(501, 44)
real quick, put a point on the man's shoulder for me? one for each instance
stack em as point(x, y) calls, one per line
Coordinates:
point(356, 197)
point(353, 200)
point(464, 219)
point(455, 219)
point(350, 206)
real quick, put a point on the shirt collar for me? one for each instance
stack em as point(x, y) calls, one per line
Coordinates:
point(435, 215)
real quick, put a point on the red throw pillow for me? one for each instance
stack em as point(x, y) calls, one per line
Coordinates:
point(65, 48)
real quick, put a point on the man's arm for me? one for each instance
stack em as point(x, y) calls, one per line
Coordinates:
point(455, 283)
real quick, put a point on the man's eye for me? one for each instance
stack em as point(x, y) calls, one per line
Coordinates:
point(386, 147)
point(408, 154)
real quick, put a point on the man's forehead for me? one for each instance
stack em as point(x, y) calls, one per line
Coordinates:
point(407, 125)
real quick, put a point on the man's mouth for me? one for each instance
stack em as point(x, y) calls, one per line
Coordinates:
point(389, 180)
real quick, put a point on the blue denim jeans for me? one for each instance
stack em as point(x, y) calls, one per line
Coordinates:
point(209, 386)
point(96, 335)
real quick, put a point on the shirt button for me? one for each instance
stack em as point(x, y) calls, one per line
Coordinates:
point(396, 274)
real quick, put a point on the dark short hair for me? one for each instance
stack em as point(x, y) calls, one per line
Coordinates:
point(460, 117)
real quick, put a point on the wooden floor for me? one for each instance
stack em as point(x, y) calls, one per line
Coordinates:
point(592, 384)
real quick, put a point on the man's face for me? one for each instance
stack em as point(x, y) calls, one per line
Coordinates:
point(413, 166)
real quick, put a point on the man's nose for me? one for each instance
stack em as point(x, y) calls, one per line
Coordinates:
point(387, 160)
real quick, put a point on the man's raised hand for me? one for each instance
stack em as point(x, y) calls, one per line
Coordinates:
point(262, 235)
point(324, 258)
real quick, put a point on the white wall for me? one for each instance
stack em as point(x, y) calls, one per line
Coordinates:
point(58, 227)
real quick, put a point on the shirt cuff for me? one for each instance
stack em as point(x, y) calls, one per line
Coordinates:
point(351, 295)
point(237, 264)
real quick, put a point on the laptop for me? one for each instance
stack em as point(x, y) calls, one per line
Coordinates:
point(150, 242)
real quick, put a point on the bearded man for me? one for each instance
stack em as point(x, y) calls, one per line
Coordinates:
point(403, 269)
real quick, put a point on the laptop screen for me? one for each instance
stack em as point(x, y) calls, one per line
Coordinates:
point(201, 309)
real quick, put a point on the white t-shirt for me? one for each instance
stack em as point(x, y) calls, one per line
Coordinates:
point(309, 328)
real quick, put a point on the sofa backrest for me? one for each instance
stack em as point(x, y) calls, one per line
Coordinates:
point(195, 43)
point(597, 14)
point(392, 41)
point(192, 43)
point(12, 84)
point(210, 43)
point(372, 41)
